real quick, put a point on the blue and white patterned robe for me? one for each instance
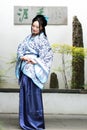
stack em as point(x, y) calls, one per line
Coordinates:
point(37, 48)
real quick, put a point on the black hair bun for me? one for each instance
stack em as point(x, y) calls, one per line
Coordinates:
point(41, 18)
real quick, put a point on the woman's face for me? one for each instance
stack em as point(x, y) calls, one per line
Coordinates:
point(35, 28)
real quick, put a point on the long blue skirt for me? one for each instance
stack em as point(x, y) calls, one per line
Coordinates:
point(31, 115)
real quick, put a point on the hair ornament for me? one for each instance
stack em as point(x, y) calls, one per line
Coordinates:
point(46, 18)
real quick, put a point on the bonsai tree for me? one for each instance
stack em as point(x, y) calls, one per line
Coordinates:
point(78, 54)
point(63, 49)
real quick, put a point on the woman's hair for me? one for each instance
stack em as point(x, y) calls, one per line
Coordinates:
point(42, 22)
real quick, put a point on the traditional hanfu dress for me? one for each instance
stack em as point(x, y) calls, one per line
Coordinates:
point(31, 79)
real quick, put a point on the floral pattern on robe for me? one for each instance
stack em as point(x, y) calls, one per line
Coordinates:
point(38, 49)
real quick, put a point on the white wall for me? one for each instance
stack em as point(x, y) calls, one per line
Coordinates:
point(11, 35)
point(60, 34)
point(54, 103)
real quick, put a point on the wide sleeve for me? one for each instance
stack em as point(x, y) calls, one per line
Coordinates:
point(22, 48)
point(44, 60)
point(45, 53)
point(20, 52)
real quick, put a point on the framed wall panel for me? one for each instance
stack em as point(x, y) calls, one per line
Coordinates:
point(55, 15)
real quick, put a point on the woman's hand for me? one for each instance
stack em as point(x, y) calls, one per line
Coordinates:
point(24, 58)
point(31, 61)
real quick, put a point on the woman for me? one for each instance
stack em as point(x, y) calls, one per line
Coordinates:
point(34, 58)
